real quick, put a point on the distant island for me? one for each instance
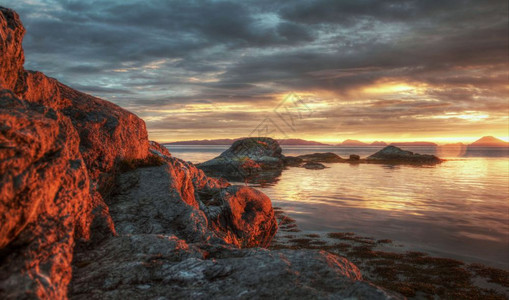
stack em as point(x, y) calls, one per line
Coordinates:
point(488, 146)
point(415, 144)
point(489, 141)
point(356, 143)
point(288, 142)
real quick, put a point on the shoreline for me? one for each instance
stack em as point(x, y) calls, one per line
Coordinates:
point(397, 267)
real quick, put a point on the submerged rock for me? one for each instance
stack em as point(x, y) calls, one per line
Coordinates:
point(326, 157)
point(393, 154)
point(249, 159)
point(354, 157)
point(313, 165)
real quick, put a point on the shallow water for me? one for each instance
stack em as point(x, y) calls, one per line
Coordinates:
point(458, 209)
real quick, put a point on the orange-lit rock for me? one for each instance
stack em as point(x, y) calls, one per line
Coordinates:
point(55, 144)
point(13, 58)
point(108, 133)
point(244, 216)
point(44, 197)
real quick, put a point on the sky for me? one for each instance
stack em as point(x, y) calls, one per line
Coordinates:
point(324, 70)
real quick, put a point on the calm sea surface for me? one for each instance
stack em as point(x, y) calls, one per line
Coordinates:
point(459, 209)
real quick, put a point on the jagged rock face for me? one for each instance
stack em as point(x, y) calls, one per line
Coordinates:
point(36, 87)
point(394, 154)
point(47, 198)
point(11, 35)
point(107, 132)
point(44, 191)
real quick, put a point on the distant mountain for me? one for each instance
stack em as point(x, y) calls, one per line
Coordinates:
point(356, 143)
point(230, 141)
point(300, 142)
point(488, 146)
point(419, 144)
point(204, 142)
point(489, 141)
point(353, 143)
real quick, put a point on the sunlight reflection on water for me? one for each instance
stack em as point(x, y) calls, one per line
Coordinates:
point(458, 209)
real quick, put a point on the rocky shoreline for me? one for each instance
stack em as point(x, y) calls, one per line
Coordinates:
point(91, 209)
point(396, 267)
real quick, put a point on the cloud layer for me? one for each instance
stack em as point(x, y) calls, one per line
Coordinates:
point(212, 69)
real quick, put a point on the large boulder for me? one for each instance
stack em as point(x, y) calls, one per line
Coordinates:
point(393, 154)
point(249, 159)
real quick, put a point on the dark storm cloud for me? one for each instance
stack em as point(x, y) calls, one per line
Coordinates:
point(148, 54)
point(350, 11)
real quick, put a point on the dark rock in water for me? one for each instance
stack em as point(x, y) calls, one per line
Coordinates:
point(313, 165)
point(292, 161)
point(393, 154)
point(354, 157)
point(250, 159)
point(327, 157)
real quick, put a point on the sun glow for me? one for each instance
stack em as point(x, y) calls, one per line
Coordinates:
point(392, 87)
